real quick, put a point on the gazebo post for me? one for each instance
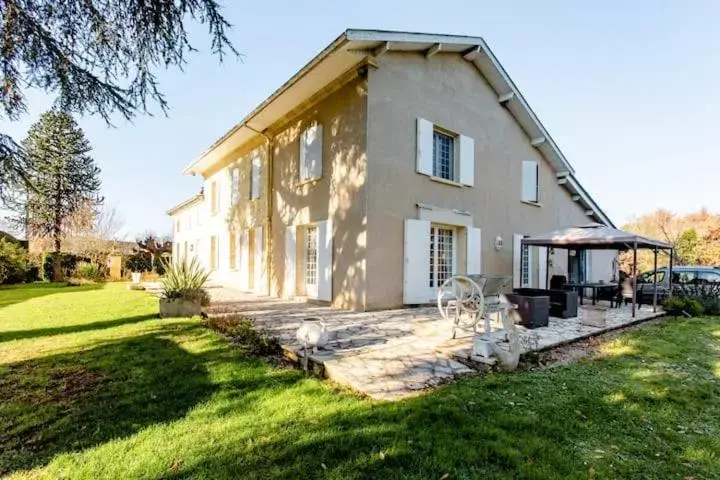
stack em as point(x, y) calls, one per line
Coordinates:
point(655, 251)
point(547, 268)
point(634, 275)
point(670, 281)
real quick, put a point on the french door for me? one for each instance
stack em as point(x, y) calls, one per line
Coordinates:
point(443, 256)
point(311, 262)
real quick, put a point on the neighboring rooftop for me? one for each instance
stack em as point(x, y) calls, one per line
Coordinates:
point(187, 203)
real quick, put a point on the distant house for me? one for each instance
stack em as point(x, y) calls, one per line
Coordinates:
point(389, 162)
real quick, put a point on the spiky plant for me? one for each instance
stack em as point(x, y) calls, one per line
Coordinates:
point(185, 281)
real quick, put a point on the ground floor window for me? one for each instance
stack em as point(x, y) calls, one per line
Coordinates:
point(213, 252)
point(442, 255)
point(232, 253)
point(311, 256)
point(525, 258)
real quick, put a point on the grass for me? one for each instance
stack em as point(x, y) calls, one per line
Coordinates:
point(92, 386)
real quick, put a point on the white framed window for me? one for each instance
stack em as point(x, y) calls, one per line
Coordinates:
point(443, 254)
point(311, 154)
point(235, 187)
point(525, 259)
point(213, 198)
point(530, 181)
point(311, 258)
point(255, 177)
point(443, 155)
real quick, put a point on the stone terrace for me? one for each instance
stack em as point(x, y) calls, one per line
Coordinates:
point(394, 353)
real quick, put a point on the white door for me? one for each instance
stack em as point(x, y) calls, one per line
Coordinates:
point(310, 261)
point(443, 256)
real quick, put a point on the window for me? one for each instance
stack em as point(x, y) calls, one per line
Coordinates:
point(185, 251)
point(442, 255)
point(708, 277)
point(177, 225)
point(311, 153)
point(213, 252)
point(233, 252)
point(648, 277)
point(213, 198)
point(255, 177)
point(311, 254)
point(235, 187)
point(530, 182)
point(525, 259)
point(443, 156)
point(681, 278)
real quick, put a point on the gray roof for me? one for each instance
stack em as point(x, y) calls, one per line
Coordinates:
point(593, 236)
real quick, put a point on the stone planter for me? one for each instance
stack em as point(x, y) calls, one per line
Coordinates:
point(592, 315)
point(179, 308)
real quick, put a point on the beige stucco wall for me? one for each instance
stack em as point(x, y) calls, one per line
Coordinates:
point(451, 93)
point(231, 219)
point(339, 196)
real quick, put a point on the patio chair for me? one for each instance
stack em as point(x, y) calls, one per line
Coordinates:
point(557, 282)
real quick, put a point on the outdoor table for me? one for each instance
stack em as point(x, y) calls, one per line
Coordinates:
point(594, 286)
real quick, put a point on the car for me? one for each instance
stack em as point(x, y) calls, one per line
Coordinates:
point(683, 277)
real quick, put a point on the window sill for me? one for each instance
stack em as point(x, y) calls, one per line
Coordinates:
point(308, 181)
point(534, 204)
point(446, 182)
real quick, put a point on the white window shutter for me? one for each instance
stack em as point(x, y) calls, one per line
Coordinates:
point(255, 177)
point(416, 269)
point(259, 267)
point(517, 259)
point(474, 251)
point(542, 267)
point(244, 260)
point(467, 160)
point(530, 181)
point(311, 153)
point(324, 261)
point(290, 261)
point(424, 147)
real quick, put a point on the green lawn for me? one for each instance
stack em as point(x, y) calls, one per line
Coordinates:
point(93, 386)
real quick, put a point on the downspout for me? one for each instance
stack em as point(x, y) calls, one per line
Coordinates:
point(270, 143)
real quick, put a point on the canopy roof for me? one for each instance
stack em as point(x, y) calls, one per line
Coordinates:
point(593, 236)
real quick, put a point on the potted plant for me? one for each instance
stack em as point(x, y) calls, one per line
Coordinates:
point(182, 289)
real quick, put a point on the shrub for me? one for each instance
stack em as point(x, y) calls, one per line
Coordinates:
point(68, 261)
point(242, 332)
point(678, 305)
point(138, 262)
point(185, 281)
point(89, 271)
point(15, 266)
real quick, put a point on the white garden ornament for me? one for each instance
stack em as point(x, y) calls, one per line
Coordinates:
point(311, 335)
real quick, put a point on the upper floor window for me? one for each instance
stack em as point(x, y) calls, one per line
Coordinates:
point(443, 155)
point(213, 198)
point(255, 177)
point(311, 153)
point(530, 181)
point(235, 186)
point(177, 225)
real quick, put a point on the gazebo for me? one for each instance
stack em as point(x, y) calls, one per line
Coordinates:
point(596, 236)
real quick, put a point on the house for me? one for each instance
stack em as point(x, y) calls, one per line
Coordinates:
point(387, 163)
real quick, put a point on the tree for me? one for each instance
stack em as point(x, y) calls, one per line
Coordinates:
point(97, 56)
point(64, 178)
point(150, 242)
point(686, 247)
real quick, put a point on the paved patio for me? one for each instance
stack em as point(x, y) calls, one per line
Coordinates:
point(394, 353)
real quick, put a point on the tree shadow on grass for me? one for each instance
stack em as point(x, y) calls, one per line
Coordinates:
point(84, 327)
point(645, 412)
point(12, 294)
point(69, 402)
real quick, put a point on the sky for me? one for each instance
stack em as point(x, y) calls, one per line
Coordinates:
point(630, 91)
